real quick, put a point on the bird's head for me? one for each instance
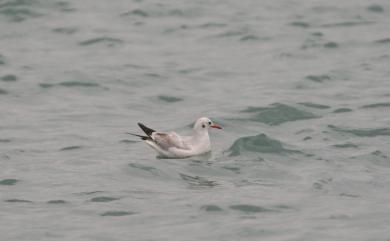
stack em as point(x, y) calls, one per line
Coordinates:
point(205, 123)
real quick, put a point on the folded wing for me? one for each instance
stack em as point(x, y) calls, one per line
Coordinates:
point(168, 140)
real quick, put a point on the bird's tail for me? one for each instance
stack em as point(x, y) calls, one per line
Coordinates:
point(148, 131)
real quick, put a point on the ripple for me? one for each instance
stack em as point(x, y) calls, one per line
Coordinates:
point(65, 30)
point(9, 78)
point(313, 105)
point(300, 24)
point(278, 113)
point(348, 24)
point(8, 181)
point(143, 167)
point(228, 34)
point(69, 84)
point(104, 199)
point(169, 99)
point(45, 85)
point(250, 37)
point(69, 148)
point(321, 183)
point(18, 201)
point(136, 12)
point(342, 110)
point(250, 208)
point(346, 145)
point(379, 154)
point(78, 84)
point(3, 92)
point(213, 25)
point(260, 143)
point(348, 195)
point(128, 141)
point(363, 132)
point(90, 193)
point(5, 140)
point(377, 105)
point(106, 40)
point(318, 78)
point(211, 208)
point(56, 202)
point(196, 181)
point(117, 213)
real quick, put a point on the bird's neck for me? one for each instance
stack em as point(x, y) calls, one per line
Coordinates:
point(201, 135)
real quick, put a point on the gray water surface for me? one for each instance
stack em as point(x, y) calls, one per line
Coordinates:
point(301, 88)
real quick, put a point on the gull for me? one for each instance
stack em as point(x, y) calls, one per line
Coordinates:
point(172, 145)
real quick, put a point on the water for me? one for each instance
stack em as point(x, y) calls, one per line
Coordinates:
point(301, 87)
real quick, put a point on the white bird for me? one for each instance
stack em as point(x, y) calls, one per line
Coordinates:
point(172, 145)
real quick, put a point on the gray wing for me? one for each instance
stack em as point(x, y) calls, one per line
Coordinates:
point(168, 140)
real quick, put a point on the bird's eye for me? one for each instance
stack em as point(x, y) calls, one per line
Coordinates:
point(210, 123)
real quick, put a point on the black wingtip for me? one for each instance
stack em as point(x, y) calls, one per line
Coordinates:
point(146, 129)
point(142, 137)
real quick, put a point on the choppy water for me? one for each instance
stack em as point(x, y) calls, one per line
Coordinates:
point(301, 87)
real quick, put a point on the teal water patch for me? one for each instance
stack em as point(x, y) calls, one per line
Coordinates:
point(169, 99)
point(106, 40)
point(331, 45)
point(9, 78)
point(363, 132)
point(69, 148)
point(211, 208)
point(2, 60)
point(383, 41)
point(318, 78)
point(377, 105)
point(8, 182)
point(104, 199)
point(342, 110)
point(375, 8)
point(117, 213)
point(56, 202)
point(313, 105)
point(260, 143)
point(18, 14)
point(277, 114)
point(250, 208)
